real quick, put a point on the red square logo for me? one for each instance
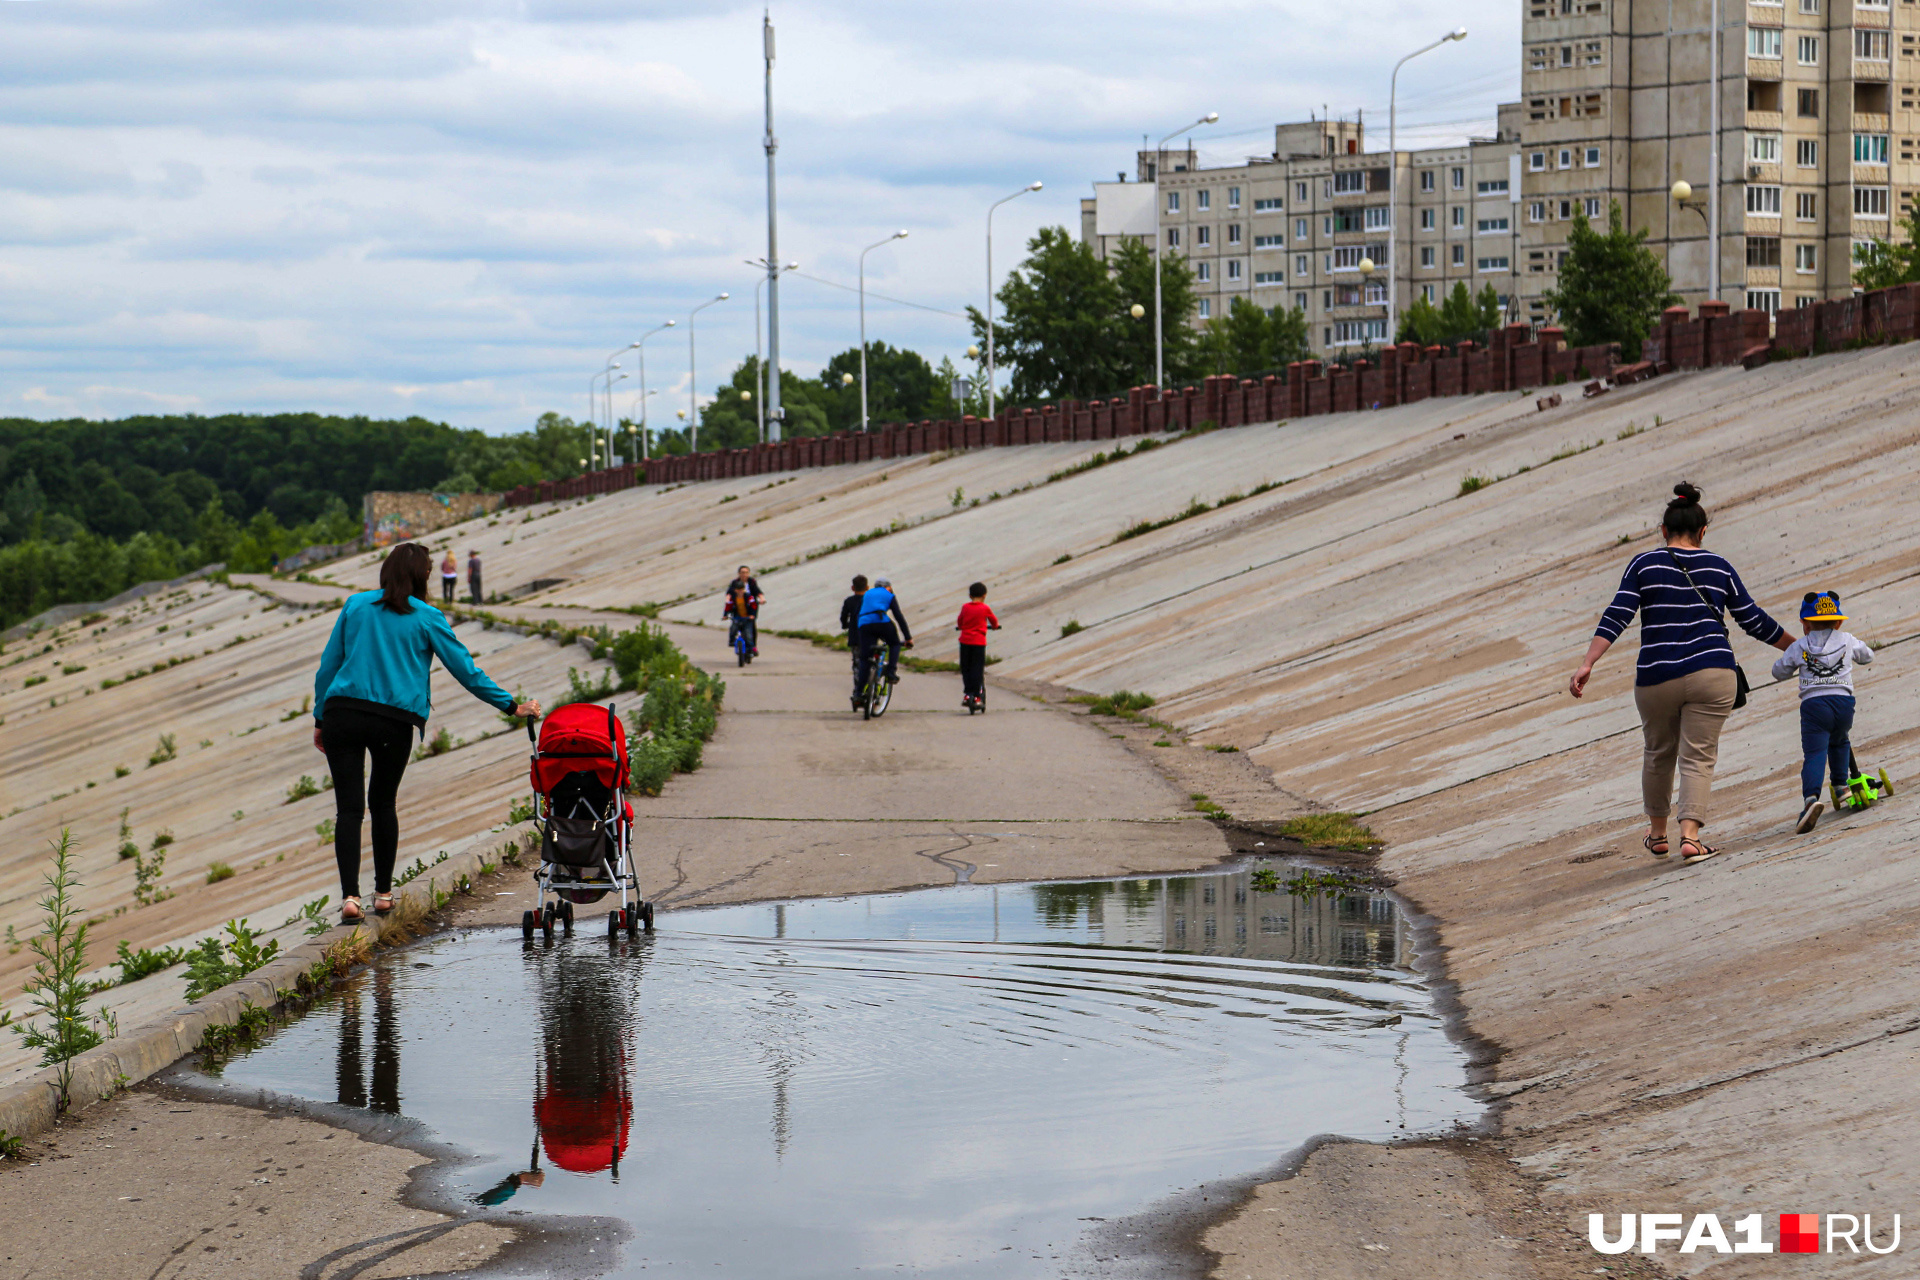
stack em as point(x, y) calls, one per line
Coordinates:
point(1799, 1233)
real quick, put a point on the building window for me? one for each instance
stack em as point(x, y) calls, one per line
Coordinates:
point(1300, 229)
point(1376, 217)
point(1763, 201)
point(1269, 277)
point(1427, 291)
point(1869, 148)
point(1805, 258)
point(1807, 103)
point(1537, 211)
point(1300, 267)
point(1537, 161)
point(1763, 148)
point(1206, 200)
point(1870, 45)
point(1459, 255)
point(1767, 300)
point(1806, 206)
point(1763, 251)
point(1345, 258)
point(1491, 226)
point(1459, 216)
point(1268, 242)
point(1299, 302)
point(1426, 219)
point(1233, 268)
point(1265, 204)
point(1206, 308)
point(1202, 236)
point(1233, 233)
point(1233, 197)
point(1566, 157)
point(1806, 153)
point(1869, 202)
point(1809, 51)
point(1426, 256)
point(1763, 42)
point(1493, 264)
point(1300, 192)
point(1495, 187)
point(1173, 237)
point(1592, 207)
point(1593, 158)
point(1203, 272)
point(1566, 210)
point(1328, 224)
point(1350, 182)
point(1426, 180)
point(1349, 333)
point(1809, 6)
point(1173, 202)
point(1459, 179)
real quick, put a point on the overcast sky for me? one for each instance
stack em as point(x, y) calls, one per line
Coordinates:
point(457, 209)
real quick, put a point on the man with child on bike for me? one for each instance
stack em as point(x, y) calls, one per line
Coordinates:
point(743, 608)
point(879, 611)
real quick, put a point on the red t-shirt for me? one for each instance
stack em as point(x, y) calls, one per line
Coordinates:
point(974, 618)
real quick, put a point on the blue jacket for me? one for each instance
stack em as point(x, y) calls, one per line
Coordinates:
point(377, 655)
point(877, 604)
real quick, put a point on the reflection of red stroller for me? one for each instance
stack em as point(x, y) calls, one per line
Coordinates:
point(586, 825)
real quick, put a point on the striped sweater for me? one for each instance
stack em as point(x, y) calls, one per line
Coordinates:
point(1679, 633)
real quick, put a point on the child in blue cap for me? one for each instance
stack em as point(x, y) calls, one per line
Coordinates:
point(1825, 657)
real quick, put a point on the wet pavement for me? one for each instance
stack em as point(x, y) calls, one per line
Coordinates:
point(971, 1081)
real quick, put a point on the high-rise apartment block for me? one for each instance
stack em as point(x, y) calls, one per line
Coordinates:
point(1617, 103)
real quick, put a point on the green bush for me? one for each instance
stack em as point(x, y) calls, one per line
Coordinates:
point(135, 965)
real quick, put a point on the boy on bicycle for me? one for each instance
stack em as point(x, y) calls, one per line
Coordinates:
point(743, 608)
point(850, 625)
point(879, 610)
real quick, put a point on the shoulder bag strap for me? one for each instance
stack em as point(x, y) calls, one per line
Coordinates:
point(1717, 615)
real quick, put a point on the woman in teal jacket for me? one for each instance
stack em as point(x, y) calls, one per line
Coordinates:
point(371, 694)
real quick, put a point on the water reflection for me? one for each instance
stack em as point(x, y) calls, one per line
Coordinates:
point(950, 1081)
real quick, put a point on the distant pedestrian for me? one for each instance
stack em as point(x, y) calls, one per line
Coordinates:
point(976, 619)
point(371, 693)
point(473, 574)
point(1824, 658)
point(1686, 682)
point(449, 577)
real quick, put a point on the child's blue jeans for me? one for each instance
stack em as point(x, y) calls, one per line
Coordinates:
point(1826, 724)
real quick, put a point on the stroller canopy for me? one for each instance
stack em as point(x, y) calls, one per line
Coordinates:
point(580, 738)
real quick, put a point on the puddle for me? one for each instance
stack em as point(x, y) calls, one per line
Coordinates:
point(957, 1082)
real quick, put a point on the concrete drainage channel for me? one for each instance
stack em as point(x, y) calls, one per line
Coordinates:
point(1012, 1080)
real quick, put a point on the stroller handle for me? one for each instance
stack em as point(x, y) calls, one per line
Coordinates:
point(528, 721)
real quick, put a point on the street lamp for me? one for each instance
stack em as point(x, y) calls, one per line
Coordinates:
point(1159, 348)
point(593, 402)
point(641, 346)
point(760, 377)
point(1031, 186)
point(898, 235)
point(612, 364)
point(693, 377)
point(1393, 174)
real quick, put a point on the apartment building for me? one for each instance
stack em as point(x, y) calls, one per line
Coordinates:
point(1818, 128)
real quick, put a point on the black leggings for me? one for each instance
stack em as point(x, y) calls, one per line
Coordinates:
point(351, 735)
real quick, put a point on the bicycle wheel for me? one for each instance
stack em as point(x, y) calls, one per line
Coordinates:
point(881, 695)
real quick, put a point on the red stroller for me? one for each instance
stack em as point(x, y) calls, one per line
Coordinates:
point(586, 825)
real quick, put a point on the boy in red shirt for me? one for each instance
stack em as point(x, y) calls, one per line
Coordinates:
point(975, 621)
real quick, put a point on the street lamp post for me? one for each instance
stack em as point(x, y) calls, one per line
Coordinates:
point(641, 348)
point(693, 377)
point(772, 145)
point(1159, 343)
point(1031, 186)
point(898, 235)
point(760, 377)
point(612, 364)
point(1393, 176)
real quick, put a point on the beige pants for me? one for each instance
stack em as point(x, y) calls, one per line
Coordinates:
point(1682, 720)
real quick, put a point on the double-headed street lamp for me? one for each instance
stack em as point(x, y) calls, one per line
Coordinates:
point(1031, 186)
point(760, 377)
point(898, 235)
point(693, 377)
point(641, 348)
point(1393, 176)
point(1159, 339)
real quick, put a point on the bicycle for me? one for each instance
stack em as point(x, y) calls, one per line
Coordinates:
point(741, 642)
point(876, 695)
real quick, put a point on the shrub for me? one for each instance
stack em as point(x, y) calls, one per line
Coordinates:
point(438, 745)
point(1121, 702)
point(164, 752)
point(135, 965)
point(1072, 628)
point(219, 871)
point(300, 790)
point(1330, 831)
point(56, 989)
point(1472, 484)
point(212, 965)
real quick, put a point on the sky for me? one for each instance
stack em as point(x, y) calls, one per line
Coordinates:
point(460, 208)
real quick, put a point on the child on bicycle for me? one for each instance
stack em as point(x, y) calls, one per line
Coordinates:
point(743, 608)
point(976, 619)
point(850, 624)
point(1824, 657)
point(879, 611)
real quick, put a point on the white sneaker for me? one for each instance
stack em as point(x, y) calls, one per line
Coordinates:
point(1809, 815)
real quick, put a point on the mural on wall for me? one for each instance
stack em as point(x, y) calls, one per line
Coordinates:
point(408, 517)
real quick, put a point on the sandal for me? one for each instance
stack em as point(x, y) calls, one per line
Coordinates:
point(1701, 851)
point(382, 903)
point(350, 910)
point(1651, 840)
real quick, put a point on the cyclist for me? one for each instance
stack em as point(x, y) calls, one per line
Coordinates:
point(879, 610)
point(743, 608)
point(850, 624)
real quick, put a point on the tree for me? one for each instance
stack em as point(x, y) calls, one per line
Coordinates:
point(1881, 264)
point(1612, 287)
point(1132, 267)
point(1251, 340)
point(901, 386)
point(1459, 315)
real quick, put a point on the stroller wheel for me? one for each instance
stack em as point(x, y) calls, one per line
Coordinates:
point(614, 924)
point(646, 916)
point(547, 917)
point(526, 925)
point(566, 916)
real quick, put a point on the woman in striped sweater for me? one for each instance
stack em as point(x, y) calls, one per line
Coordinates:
point(1684, 684)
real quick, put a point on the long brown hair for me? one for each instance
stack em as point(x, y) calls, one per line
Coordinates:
point(403, 576)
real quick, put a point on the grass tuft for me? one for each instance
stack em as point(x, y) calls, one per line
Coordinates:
point(1330, 831)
